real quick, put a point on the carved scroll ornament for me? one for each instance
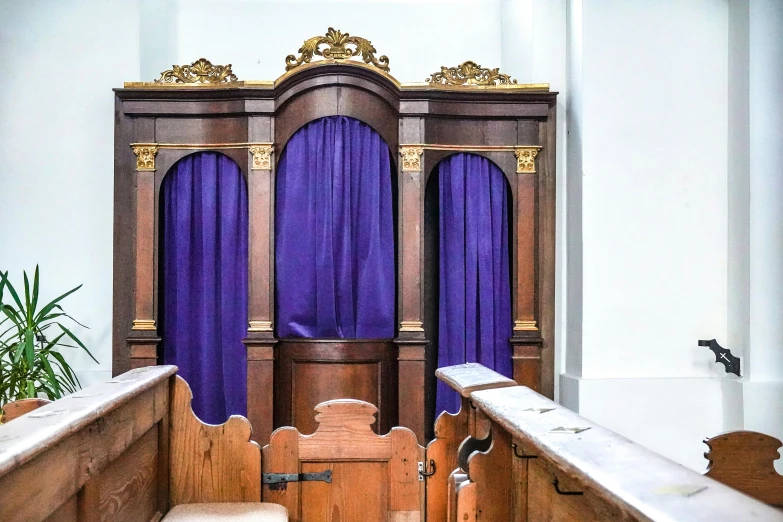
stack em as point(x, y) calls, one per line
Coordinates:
point(470, 73)
point(200, 71)
point(337, 49)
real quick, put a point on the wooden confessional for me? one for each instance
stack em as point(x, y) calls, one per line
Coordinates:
point(467, 108)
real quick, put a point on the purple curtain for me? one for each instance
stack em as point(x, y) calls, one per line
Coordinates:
point(204, 281)
point(475, 288)
point(334, 233)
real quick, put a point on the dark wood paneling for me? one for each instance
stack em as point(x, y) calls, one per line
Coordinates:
point(331, 100)
point(311, 371)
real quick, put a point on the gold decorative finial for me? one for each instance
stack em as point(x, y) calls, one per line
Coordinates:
point(200, 71)
point(470, 73)
point(337, 42)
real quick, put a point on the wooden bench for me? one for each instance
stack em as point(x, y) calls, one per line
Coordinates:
point(548, 463)
point(745, 460)
point(130, 449)
point(451, 430)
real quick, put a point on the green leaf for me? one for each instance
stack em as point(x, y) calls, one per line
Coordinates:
point(27, 303)
point(18, 352)
point(31, 389)
point(29, 347)
point(48, 308)
point(35, 292)
point(51, 377)
point(77, 341)
point(12, 290)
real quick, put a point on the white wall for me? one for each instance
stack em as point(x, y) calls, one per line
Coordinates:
point(59, 61)
point(255, 36)
point(649, 133)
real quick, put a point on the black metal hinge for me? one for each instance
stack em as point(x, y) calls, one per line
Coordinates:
point(278, 481)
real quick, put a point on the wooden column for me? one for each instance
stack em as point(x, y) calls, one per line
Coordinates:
point(144, 339)
point(526, 339)
point(411, 341)
point(260, 339)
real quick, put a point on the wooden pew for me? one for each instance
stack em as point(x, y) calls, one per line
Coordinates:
point(450, 432)
point(129, 449)
point(564, 467)
point(745, 460)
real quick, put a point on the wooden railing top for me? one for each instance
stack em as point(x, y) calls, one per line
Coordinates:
point(641, 483)
point(468, 378)
point(24, 438)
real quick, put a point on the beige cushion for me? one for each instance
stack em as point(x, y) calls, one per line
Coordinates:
point(230, 511)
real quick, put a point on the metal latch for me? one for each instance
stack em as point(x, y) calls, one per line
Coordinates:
point(278, 481)
point(424, 473)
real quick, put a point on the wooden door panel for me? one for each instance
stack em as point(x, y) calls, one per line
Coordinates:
point(314, 383)
point(349, 496)
point(374, 477)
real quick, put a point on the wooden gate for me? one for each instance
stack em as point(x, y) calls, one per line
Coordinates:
point(373, 477)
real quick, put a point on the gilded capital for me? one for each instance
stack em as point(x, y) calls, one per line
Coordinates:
point(145, 156)
point(411, 326)
point(262, 157)
point(526, 159)
point(260, 326)
point(143, 324)
point(525, 326)
point(411, 158)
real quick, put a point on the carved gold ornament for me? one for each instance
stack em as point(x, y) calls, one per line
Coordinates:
point(143, 324)
point(145, 157)
point(411, 158)
point(262, 157)
point(260, 326)
point(470, 73)
point(526, 159)
point(525, 326)
point(200, 71)
point(411, 326)
point(337, 50)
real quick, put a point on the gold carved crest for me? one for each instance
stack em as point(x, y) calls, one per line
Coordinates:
point(470, 73)
point(339, 46)
point(200, 71)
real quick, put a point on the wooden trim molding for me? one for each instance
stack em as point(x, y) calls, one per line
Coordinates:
point(260, 326)
point(411, 326)
point(145, 236)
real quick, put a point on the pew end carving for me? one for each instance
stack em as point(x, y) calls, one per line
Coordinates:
point(451, 430)
point(211, 463)
point(745, 460)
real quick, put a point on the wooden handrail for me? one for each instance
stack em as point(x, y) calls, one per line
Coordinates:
point(617, 477)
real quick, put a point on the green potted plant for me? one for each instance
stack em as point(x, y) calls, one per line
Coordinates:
point(31, 337)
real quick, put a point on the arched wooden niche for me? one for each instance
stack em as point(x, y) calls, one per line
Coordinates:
point(204, 107)
point(468, 216)
point(335, 272)
point(202, 298)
